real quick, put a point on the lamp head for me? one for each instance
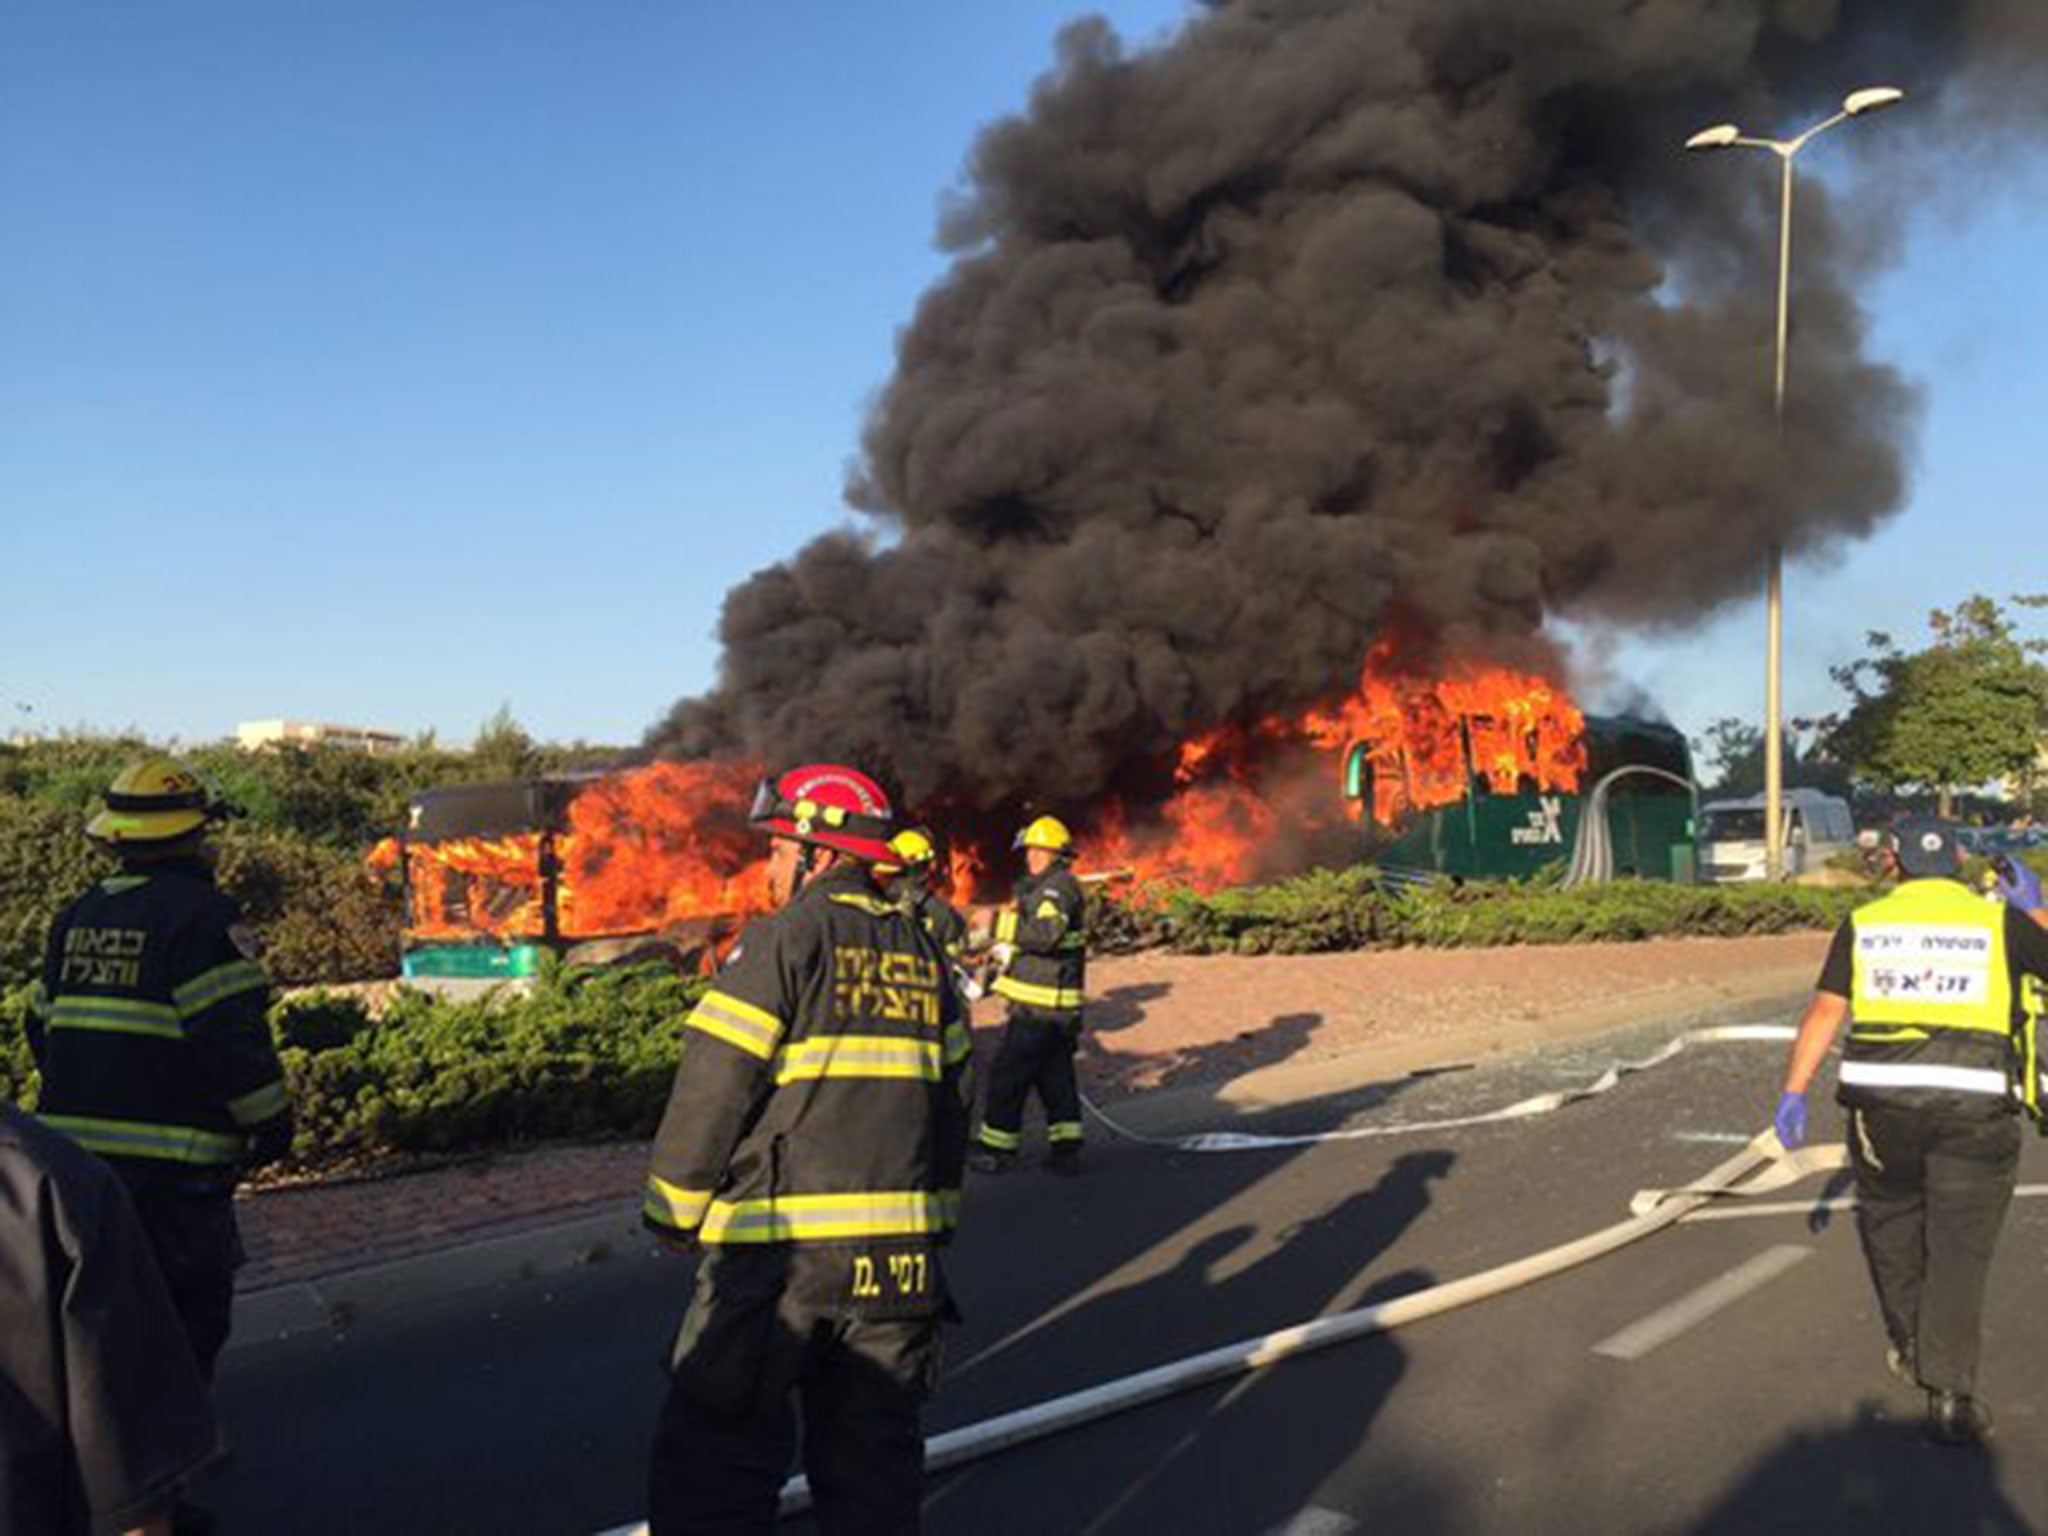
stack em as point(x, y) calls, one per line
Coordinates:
point(1720, 136)
point(1872, 98)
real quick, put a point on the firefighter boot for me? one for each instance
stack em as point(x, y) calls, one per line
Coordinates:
point(1956, 1418)
point(1064, 1159)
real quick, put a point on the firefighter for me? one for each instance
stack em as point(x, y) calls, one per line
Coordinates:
point(911, 872)
point(813, 1145)
point(105, 1417)
point(1041, 952)
point(1931, 980)
point(148, 1025)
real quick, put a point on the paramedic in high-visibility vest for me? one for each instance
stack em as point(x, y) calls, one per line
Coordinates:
point(1931, 980)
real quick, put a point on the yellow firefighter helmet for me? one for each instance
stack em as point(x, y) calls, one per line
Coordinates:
point(152, 801)
point(910, 849)
point(1049, 833)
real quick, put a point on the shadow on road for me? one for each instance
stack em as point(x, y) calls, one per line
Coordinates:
point(1243, 1462)
point(1874, 1477)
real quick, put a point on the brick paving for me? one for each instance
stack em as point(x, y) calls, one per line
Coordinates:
point(1158, 1021)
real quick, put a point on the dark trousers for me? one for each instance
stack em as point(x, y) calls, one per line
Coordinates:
point(1931, 1194)
point(1037, 1052)
point(198, 1248)
point(751, 1353)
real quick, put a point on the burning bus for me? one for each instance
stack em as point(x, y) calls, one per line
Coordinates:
point(1496, 775)
point(653, 862)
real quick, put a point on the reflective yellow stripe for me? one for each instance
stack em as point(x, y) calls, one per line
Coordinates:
point(217, 985)
point(821, 1218)
point(114, 885)
point(725, 1017)
point(132, 1138)
point(1006, 926)
point(871, 1056)
point(959, 1044)
point(670, 1205)
point(118, 1016)
point(1063, 1130)
point(253, 1108)
point(872, 905)
point(1002, 1141)
point(1037, 996)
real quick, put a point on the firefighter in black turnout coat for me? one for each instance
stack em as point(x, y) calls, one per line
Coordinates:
point(813, 1145)
point(148, 1025)
point(1041, 946)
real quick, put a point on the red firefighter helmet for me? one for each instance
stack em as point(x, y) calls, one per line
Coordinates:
point(830, 805)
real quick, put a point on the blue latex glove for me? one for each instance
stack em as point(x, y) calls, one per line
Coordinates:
point(2018, 886)
point(1790, 1121)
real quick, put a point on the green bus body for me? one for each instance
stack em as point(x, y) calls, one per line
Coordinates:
point(1493, 836)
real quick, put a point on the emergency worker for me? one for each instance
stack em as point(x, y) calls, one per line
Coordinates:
point(1040, 949)
point(105, 1417)
point(1930, 978)
point(911, 873)
point(813, 1144)
point(148, 1027)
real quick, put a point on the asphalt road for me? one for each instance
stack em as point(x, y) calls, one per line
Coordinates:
point(1616, 1398)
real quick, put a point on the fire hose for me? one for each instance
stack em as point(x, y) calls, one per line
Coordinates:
point(1759, 1168)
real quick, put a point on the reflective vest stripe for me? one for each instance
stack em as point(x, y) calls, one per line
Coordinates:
point(218, 985)
point(959, 1044)
point(1006, 926)
point(1913, 1074)
point(1039, 997)
point(822, 1218)
point(255, 1107)
point(870, 1056)
point(132, 1138)
point(725, 1017)
point(117, 1016)
point(670, 1205)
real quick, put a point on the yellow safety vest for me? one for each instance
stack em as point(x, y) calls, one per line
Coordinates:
point(1932, 1002)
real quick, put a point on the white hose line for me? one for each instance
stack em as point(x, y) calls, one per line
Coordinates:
point(1759, 1167)
point(1541, 1104)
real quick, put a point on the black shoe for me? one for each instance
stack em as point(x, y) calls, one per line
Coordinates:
point(988, 1160)
point(1955, 1418)
point(1064, 1159)
point(1898, 1359)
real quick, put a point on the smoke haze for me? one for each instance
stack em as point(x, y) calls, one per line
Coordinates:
point(1332, 319)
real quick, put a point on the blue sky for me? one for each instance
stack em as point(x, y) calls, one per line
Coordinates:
point(388, 362)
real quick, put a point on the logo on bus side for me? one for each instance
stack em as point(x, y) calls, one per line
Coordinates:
point(1546, 824)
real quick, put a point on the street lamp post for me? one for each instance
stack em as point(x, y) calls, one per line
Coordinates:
point(1728, 136)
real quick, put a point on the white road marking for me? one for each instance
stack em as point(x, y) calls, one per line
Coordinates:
point(1714, 1138)
point(1315, 1521)
point(1661, 1327)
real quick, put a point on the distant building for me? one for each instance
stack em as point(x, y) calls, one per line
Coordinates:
point(252, 735)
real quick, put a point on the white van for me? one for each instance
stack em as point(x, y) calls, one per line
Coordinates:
point(1817, 827)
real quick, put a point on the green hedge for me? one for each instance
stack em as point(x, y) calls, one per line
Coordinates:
point(1349, 909)
point(584, 1054)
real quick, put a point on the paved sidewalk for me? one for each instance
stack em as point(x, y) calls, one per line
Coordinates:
point(1191, 1038)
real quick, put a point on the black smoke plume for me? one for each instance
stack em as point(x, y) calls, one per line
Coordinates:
point(1326, 316)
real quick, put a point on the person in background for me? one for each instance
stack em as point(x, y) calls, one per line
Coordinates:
point(1041, 954)
point(1932, 981)
point(149, 1027)
point(104, 1417)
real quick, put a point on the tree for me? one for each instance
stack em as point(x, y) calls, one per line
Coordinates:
point(1969, 709)
point(502, 749)
point(1736, 750)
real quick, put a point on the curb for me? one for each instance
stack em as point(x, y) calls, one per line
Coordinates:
point(611, 1231)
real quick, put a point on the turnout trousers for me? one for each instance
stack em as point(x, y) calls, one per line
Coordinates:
point(198, 1248)
point(1931, 1195)
point(753, 1352)
point(1037, 1053)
